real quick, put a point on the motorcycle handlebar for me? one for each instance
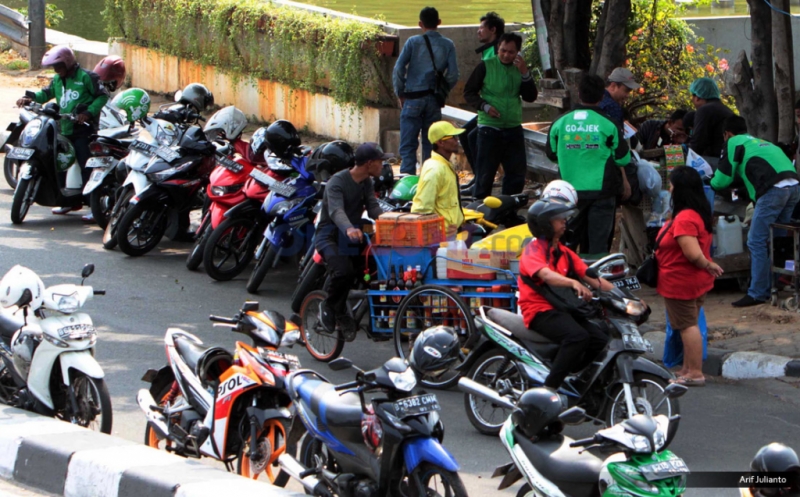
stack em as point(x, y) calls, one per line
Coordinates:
point(584, 442)
point(99, 292)
point(220, 319)
point(347, 386)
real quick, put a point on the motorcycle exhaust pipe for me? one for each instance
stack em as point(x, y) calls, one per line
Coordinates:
point(295, 469)
point(472, 387)
point(157, 420)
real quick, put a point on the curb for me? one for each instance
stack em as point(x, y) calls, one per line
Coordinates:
point(63, 459)
point(733, 365)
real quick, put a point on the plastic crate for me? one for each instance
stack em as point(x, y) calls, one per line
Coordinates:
point(387, 258)
point(399, 229)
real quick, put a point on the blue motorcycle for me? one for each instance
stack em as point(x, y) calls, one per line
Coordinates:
point(389, 445)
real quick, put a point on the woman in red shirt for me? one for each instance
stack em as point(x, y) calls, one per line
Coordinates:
point(685, 269)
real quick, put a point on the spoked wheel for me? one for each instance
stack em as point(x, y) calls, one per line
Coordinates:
point(11, 171)
point(647, 391)
point(93, 402)
point(110, 232)
point(271, 444)
point(101, 201)
point(436, 480)
point(196, 255)
point(229, 248)
point(312, 279)
point(23, 199)
point(495, 370)
point(142, 228)
point(263, 265)
point(427, 306)
point(151, 438)
point(322, 345)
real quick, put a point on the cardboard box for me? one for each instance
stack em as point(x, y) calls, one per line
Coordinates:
point(469, 260)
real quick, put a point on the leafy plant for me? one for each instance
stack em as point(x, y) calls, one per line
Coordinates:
point(52, 15)
point(17, 65)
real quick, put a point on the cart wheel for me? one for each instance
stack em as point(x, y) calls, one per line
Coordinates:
point(790, 304)
point(774, 300)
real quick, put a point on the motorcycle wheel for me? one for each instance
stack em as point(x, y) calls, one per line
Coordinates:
point(314, 453)
point(313, 279)
point(229, 248)
point(525, 491)
point(101, 201)
point(323, 346)
point(436, 480)
point(150, 435)
point(93, 401)
point(141, 229)
point(196, 255)
point(11, 171)
point(110, 232)
point(263, 266)
point(23, 198)
point(485, 416)
point(272, 443)
point(648, 391)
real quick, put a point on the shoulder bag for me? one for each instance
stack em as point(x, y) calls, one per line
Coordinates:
point(442, 89)
point(648, 271)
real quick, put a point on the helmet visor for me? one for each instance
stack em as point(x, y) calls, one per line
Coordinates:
point(568, 215)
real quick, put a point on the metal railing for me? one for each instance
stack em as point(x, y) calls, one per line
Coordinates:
point(14, 26)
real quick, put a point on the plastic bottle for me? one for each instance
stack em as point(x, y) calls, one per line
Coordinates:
point(729, 236)
point(441, 263)
point(417, 276)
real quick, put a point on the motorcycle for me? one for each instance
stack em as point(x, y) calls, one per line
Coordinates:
point(502, 209)
point(555, 465)
point(48, 363)
point(389, 445)
point(620, 383)
point(228, 407)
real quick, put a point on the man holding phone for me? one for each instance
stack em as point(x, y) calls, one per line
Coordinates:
point(496, 89)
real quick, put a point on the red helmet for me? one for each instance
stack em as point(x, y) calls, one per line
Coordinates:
point(61, 54)
point(111, 71)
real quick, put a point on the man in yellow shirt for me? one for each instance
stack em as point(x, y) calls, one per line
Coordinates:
point(437, 190)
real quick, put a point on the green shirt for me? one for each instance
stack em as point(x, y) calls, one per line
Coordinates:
point(501, 86)
point(759, 164)
point(79, 92)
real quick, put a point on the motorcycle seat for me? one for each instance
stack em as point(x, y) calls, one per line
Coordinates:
point(333, 408)
point(559, 463)
point(514, 323)
point(189, 351)
point(9, 324)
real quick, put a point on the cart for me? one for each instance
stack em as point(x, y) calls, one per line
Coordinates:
point(791, 303)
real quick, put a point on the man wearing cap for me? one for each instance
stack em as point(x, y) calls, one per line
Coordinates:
point(619, 85)
point(709, 120)
point(437, 190)
point(339, 237)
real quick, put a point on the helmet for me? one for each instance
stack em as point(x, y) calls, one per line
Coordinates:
point(282, 138)
point(536, 413)
point(545, 210)
point(227, 123)
point(111, 71)
point(258, 142)
point(133, 102)
point(61, 54)
point(21, 286)
point(197, 96)
point(405, 189)
point(435, 349)
point(195, 140)
point(212, 364)
point(562, 189)
point(385, 180)
point(330, 158)
point(775, 458)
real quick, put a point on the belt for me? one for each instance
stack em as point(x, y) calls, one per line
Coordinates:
point(413, 95)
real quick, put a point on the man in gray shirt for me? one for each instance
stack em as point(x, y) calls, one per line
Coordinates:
point(339, 238)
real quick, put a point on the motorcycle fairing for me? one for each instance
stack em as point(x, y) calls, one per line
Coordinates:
point(424, 449)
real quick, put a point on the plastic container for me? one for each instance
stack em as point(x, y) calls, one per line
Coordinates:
point(400, 229)
point(729, 236)
point(441, 262)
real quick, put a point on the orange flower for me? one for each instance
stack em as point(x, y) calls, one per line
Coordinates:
point(635, 38)
point(639, 31)
point(709, 68)
point(641, 91)
point(648, 74)
point(689, 48)
point(723, 65)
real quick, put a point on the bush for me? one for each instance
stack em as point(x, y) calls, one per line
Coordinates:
point(52, 15)
point(18, 65)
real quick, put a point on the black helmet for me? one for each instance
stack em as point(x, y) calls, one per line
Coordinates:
point(195, 140)
point(330, 158)
point(386, 180)
point(435, 350)
point(775, 458)
point(536, 413)
point(282, 138)
point(545, 210)
point(196, 95)
point(258, 142)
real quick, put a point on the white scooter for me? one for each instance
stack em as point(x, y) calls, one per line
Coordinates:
point(48, 364)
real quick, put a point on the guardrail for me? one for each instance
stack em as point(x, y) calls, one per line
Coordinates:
point(14, 26)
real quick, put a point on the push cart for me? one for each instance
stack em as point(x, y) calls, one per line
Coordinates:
point(793, 260)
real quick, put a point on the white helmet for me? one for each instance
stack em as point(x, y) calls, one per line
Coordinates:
point(225, 124)
point(17, 284)
point(562, 189)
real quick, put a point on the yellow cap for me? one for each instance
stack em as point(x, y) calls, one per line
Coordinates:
point(442, 129)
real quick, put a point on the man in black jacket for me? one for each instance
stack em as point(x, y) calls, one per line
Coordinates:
point(655, 133)
point(709, 120)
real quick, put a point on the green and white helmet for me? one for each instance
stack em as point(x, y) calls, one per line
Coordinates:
point(133, 102)
point(405, 189)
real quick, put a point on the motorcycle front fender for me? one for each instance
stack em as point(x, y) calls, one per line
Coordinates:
point(628, 365)
point(423, 449)
point(138, 180)
point(149, 195)
point(82, 361)
point(249, 208)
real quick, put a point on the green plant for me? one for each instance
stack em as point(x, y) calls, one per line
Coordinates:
point(52, 15)
point(256, 39)
point(17, 65)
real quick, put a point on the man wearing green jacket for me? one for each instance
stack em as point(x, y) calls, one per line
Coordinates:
point(77, 91)
point(591, 154)
point(496, 88)
point(771, 181)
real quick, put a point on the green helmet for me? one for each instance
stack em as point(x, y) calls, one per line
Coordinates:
point(405, 189)
point(134, 102)
point(65, 154)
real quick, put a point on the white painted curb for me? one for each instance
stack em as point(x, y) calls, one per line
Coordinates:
point(749, 365)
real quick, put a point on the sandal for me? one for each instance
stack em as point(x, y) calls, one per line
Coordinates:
point(689, 382)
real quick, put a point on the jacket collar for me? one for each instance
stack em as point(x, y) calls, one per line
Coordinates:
point(487, 46)
point(593, 108)
point(440, 158)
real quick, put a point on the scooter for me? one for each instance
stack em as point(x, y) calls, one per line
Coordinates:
point(228, 407)
point(555, 465)
point(48, 363)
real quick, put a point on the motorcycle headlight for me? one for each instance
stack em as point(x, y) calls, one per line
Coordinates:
point(281, 208)
point(162, 175)
point(165, 137)
point(55, 341)
point(66, 303)
point(634, 307)
point(30, 132)
point(641, 444)
point(219, 191)
point(405, 381)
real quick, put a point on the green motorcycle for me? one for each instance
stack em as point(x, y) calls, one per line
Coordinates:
point(555, 465)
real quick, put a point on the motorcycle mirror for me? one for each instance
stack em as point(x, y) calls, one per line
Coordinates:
point(250, 306)
point(573, 416)
point(675, 390)
point(87, 271)
point(592, 273)
point(492, 202)
point(340, 364)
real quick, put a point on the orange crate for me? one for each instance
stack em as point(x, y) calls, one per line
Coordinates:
point(400, 229)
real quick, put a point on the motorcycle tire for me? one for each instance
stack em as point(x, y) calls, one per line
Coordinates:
point(97, 388)
point(128, 223)
point(101, 201)
point(480, 374)
point(196, 255)
point(641, 380)
point(110, 231)
point(447, 483)
point(263, 266)
point(232, 238)
point(11, 171)
point(323, 346)
point(524, 490)
point(274, 432)
point(313, 279)
point(22, 201)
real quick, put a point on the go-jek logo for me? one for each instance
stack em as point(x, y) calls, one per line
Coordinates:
point(64, 160)
point(67, 97)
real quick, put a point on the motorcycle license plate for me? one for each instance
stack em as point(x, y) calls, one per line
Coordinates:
point(629, 283)
point(20, 153)
point(97, 175)
point(274, 185)
point(664, 469)
point(103, 162)
point(274, 356)
point(229, 164)
point(165, 153)
point(420, 404)
point(385, 206)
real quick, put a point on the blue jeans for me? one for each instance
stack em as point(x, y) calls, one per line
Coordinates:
point(775, 206)
point(417, 115)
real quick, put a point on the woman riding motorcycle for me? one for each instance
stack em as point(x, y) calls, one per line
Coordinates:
point(77, 91)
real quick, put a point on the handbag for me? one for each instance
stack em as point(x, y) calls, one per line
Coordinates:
point(442, 89)
point(648, 271)
point(562, 298)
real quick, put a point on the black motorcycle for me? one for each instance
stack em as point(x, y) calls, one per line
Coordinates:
point(10, 139)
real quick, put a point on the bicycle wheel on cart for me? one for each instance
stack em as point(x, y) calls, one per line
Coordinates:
point(423, 308)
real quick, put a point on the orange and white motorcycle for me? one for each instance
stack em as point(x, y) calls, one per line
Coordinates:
point(207, 402)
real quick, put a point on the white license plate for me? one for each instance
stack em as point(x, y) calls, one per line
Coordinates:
point(20, 153)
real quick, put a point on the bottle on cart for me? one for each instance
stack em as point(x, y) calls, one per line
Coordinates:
point(409, 278)
point(398, 285)
point(392, 280)
point(382, 289)
point(417, 276)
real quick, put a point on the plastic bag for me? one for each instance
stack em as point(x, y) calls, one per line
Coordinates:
point(699, 164)
point(649, 179)
point(673, 345)
point(661, 208)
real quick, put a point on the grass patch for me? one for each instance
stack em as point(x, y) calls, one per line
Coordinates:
point(17, 65)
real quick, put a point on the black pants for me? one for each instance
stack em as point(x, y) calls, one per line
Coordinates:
point(345, 262)
point(495, 146)
point(593, 227)
point(579, 345)
point(468, 142)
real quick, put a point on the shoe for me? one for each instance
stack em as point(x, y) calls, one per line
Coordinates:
point(327, 318)
point(62, 211)
point(747, 301)
point(348, 326)
point(88, 218)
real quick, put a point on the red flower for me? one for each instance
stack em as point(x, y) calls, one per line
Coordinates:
point(689, 48)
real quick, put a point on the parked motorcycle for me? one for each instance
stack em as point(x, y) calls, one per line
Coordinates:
point(228, 407)
point(48, 363)
point(555, 465)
